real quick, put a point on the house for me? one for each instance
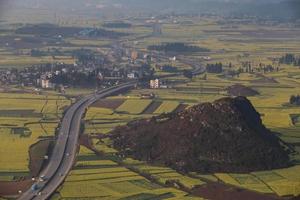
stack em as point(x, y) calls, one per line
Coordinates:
point(46, 84)
point(173, 58)
point(154, 84)
point(134, 55)
point(132, 75)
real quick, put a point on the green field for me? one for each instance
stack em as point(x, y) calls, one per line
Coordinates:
point(134, 106)
point(108, 177)
point(24, 118)
point(100, 177)
point(167, 107)
point(271, 103)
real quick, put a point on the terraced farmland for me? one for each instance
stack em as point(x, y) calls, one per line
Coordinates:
point(24, 118)
point(99, 177)
point(270, 103)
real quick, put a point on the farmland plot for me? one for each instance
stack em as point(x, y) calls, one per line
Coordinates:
point(134, 106)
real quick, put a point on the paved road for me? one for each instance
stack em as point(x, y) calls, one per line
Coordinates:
point(65, 149)
point(196, 65)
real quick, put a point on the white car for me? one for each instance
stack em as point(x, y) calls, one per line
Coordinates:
point(42, 178)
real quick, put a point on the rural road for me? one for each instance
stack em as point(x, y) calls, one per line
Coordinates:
point(64, 152)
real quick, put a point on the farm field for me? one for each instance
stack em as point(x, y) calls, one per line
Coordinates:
point(109, 177)
point(166, 107)
point(134, 106)
point(24, 61)
point(271, 103)
point(100, 177)
point(102, 119)
point(25, 118)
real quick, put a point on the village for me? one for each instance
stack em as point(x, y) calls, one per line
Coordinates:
point(88, 71)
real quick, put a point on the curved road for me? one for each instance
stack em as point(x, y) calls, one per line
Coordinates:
point(64, 152)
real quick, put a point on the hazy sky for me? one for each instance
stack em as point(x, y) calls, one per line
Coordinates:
point(2, 2)
point(9, 6)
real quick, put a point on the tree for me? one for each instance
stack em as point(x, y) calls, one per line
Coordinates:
point(188, 74)
point(214, 68)
point(292, 99)
point(290, 59)
point(177, 47)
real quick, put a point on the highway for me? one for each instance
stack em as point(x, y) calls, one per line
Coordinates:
point(64, 152)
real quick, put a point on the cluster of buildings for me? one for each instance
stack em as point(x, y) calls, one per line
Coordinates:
point(10, 76)
point(119, 65)
point(50, 76)
point(53, 76)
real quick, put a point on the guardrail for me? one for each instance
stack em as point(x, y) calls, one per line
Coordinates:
point(76, 110)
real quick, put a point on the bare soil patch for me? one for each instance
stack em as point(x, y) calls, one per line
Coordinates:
point(241, 90)
point(37, 153)
point(109, 103)
point(12, 188)
point(152, 107)
point(264, 79)
point(86, 141)
point(217, 191)
point(181, 108)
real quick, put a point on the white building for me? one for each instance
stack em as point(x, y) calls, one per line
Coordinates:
point(154, 84)
point(173, 58)
point(131, 76)
point(46, 84)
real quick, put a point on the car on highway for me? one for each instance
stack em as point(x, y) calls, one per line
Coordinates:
point(34, 187)
point(42, 178)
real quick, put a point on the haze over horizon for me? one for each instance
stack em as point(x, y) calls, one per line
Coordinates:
point(150, 99)
point(280, 9)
